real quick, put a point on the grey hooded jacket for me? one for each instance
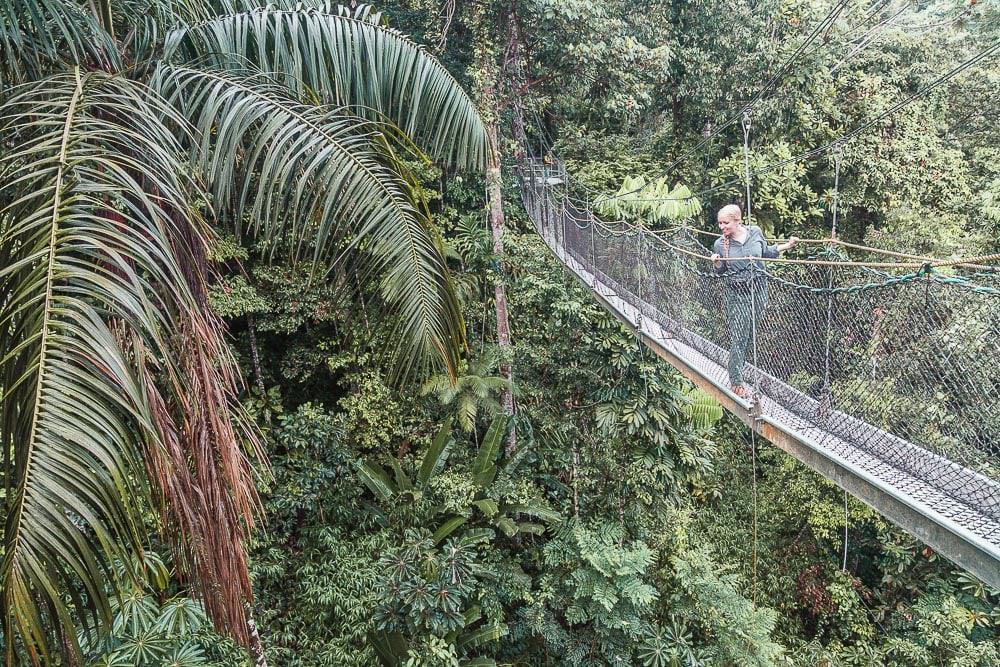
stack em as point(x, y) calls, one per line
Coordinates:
point(755, 245)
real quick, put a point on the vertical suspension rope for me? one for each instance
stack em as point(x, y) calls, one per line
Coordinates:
point(746, 158)
point(844, 566)
point(640, 278)
point(753, 269)
point(593, 254)
point(838, 154)
point(753, 333)
point(639, 270)
point(565, 218)
point(826, 401)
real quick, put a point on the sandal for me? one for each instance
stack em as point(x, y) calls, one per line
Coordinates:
point(740, 390)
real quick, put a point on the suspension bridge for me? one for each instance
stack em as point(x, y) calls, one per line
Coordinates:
point(881, 376)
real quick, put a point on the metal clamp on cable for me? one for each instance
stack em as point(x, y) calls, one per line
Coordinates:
point(746, 160)
point(756, 409)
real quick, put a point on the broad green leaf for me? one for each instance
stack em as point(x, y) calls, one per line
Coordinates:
point(375, 478)
point(488, 507)
point(403, 482)
point(447, 528)
point(538, 511)
point(483, 469)
point(490, 632)
point(346, 61)
point(436, 455)
point(507, 526)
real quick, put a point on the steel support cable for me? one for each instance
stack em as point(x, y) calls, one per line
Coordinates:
point(773, 81)
point(827, 390)
point(867, 39)
point(878, 8)
point(909, 29)
point(591, 262)
point(752, 288)
point(941, 23)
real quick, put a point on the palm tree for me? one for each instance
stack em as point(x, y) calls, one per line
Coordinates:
point(472, 391)
point(129, 131)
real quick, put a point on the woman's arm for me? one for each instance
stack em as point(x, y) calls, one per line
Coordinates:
point(772, 251)
point(790, 243)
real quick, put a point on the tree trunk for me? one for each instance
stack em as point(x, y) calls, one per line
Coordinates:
point(494, 198)
point(490, 73)
point(258, 376)
point(256, 646)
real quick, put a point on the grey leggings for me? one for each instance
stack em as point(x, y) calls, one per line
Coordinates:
point(744, 302)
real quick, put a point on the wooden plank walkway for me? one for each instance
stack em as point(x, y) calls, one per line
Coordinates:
point(920, 491)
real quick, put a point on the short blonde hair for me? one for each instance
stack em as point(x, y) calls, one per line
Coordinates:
point(730, 212)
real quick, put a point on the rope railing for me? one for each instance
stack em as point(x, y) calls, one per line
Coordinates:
point(887, 362)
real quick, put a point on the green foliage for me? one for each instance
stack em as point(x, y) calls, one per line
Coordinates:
point(479, 495)
point(153, 624)
point(652, 202)
point(601, 623)
point(125, 125)
point(740, 632)
point(473, 390)
point(147, 632)
point(234, 296)
point(603, 578)
point(602, 160)
point(607, 71)
point(637, 465)
point(315, 567)
point(426, 589)
point(783, 200)
point(372, 412)
point(703, 410)
point(436, 581)
point(622, 530)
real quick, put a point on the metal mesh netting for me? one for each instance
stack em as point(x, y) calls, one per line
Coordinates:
point(893, 369)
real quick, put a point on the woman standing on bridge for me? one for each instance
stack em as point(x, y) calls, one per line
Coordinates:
point(737, 256)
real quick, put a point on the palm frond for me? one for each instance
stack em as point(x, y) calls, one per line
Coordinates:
point(347, 59)
point(98, 292)
point(37, 34)
point(61, 352)
point(142, 25)
point(323, 183)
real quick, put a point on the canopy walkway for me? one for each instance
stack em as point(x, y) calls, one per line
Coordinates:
point(883, 377)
